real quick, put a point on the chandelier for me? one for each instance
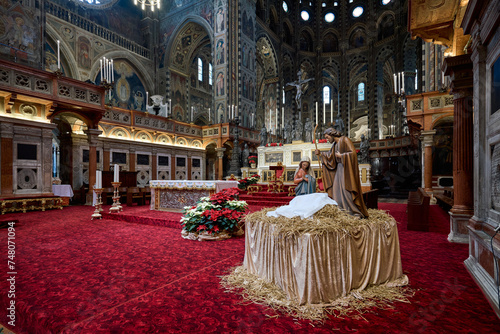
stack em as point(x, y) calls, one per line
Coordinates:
point(149, 3)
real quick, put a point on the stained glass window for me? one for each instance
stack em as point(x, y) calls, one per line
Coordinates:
point(361, 91)
point(200, 69)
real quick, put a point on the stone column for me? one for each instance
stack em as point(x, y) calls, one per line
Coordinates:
point(220, 156)
point(154, 165)
point(427, 138)
point(131, 160)
point(92, 135)
point(460, 70)
point(7, 158)
point(47, 160)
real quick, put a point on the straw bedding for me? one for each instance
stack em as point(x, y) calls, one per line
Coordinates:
point(328, 219)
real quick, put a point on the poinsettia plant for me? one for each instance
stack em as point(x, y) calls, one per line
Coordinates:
point(274, 144)
point(244, 183)
point(252, 159)
point(219, 213)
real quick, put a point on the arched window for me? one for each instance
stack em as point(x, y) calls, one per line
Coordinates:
point(361, 91)
point(210, 74)
point(200, 69)
point(326, 94)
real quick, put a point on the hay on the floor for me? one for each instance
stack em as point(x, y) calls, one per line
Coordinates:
point(329, 219)
point(258, 290)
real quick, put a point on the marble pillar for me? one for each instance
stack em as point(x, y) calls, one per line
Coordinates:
point(427, 138)
point(220, 158)
point(92, 137)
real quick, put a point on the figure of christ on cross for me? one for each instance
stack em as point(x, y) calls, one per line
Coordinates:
point(299, 84)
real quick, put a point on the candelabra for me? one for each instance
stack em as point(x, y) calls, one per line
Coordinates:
point(399, 93)
point(235, 157)
point(98, 204)
point(116, 207)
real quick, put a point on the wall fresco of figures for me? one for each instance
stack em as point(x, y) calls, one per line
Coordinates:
point(19, 31)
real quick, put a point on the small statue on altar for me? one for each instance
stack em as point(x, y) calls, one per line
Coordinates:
point(298, 130)
point(339, 124)
point(263, 136)
point(288, 133)
point(308, 130)
point(364, 149)
point(244, 155)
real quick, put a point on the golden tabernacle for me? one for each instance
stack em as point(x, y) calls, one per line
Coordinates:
point(318, 260)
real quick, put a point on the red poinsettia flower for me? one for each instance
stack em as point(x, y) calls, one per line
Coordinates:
point(201, 227)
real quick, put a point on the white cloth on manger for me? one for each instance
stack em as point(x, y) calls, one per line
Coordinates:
point(303, 206)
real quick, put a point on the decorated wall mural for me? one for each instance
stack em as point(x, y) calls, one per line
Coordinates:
point(19, 31)
point(179, 96)
point(84, 60)
point(128, 91)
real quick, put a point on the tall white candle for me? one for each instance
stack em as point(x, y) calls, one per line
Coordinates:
point(116, 175)
point(209, 114)
point(316, 112)
point(112, 71)
point(100, 66)
point(58, 54)
point(395, 84)
point(147, 98)
point(399, 83)
point(403, 80)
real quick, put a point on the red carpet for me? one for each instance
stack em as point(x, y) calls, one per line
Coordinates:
point(106, 276)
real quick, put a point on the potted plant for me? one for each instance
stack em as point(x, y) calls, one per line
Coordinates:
point(244, 183)
point(213, 218)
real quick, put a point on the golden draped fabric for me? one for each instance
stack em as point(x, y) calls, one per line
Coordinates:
point(318, 269)
point(349, 160)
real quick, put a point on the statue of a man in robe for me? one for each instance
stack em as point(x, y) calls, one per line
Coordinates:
point(341, 173)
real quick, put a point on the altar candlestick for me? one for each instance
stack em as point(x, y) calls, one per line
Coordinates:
point(395, 84)
point(112, 71)
point(100, 66)
point(58, 54)
point(147, 99)
point(209, 114)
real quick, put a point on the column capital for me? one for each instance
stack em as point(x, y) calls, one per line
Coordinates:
point(460, 70)
point(220, 152)
point(6, 130)
point(427, 137)
point(92, 135)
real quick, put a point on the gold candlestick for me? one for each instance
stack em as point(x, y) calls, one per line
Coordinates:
point(116, 207)
point(98, 204)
